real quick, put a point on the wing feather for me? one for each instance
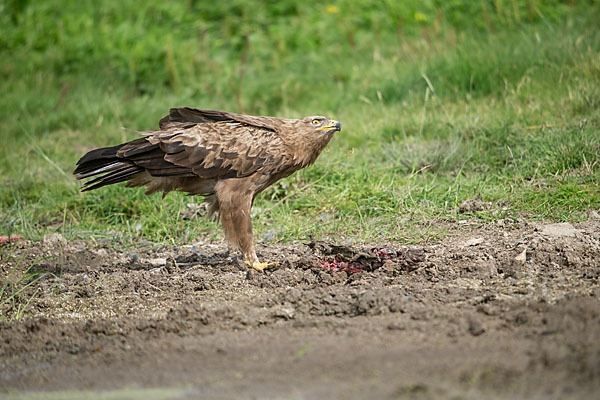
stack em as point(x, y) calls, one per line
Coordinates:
point(221, 149)
point(185, 117)
point(194, 143)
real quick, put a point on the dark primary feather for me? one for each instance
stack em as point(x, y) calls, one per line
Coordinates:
point(96, 159)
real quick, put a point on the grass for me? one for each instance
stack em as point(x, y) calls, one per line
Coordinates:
point(14, 297)
point(439, 101)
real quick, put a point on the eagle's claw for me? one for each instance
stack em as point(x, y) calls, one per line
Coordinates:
point(260, 266)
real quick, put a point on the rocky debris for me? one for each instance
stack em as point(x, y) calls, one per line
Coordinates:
point(474, 242)
point(563, 229)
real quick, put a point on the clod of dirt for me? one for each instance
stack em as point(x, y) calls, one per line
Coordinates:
point(473, 205)
point(476, 328)
point(54, 240)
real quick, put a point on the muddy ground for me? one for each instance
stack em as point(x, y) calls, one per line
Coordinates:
point(506, 310)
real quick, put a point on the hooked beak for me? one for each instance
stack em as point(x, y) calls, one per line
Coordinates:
point(333, 126)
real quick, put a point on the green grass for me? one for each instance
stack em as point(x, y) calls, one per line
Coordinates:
point(439, 101)
point(13, 295)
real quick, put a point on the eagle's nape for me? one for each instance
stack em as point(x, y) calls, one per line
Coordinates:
point(228, 158)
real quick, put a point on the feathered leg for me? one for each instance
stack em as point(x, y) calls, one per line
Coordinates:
point(234, 211)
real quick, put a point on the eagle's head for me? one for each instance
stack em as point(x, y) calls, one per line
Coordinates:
point(323, 124)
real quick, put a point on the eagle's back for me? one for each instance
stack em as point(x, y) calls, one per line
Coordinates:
point(194, 149)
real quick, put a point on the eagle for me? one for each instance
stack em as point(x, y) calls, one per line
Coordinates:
point(228, 158)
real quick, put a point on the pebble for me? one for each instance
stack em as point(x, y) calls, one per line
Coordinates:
point(522, 257)
point(157, 262)
point(54, 239)
point(476, 328)
point(563, 229)
point(474, 242)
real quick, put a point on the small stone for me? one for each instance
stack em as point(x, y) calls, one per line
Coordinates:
point(101, 252)
point(522, 257)
point(284, 312)
point(563, 229)
point(133, 256)
point(157, 262)
point(170, 265)
point(487, 309)
point(476, 328)
point(474, 242)
point(396, 326)
point(53, 240)
point(594, 215)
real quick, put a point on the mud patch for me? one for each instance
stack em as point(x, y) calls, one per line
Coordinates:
point(494, 311)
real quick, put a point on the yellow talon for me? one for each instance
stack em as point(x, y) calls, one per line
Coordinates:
point(260, 266)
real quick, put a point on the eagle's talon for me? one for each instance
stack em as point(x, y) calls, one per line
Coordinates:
point(261, 266)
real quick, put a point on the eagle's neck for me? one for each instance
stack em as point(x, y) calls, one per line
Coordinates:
point(307, 151)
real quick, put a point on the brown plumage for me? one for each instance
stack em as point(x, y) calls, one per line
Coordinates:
point(227, 157)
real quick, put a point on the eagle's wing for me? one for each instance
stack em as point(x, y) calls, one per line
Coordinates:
point(192, 143)
point(223, 149)
point(214, 149)
point(186, 117)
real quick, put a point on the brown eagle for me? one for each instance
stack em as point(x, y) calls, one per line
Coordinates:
point(227, 157)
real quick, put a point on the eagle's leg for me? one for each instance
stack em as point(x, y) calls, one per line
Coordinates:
point(234, 210)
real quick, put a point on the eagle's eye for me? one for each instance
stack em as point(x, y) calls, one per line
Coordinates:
point(316, 122)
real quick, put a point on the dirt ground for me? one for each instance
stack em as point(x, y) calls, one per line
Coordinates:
point(506, 310)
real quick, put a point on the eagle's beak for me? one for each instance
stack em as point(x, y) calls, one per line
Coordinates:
point(333, 126)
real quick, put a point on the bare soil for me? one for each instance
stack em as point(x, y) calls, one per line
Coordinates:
point(505, 310)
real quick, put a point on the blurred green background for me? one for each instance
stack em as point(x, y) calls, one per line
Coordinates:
point(440, 101)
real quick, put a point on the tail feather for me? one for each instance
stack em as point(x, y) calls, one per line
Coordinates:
point(120, 163)
point(106, 167)
point(120, 175)
point(96, 158)
point(100, 170)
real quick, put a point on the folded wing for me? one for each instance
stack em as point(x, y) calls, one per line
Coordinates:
point(191, 144)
